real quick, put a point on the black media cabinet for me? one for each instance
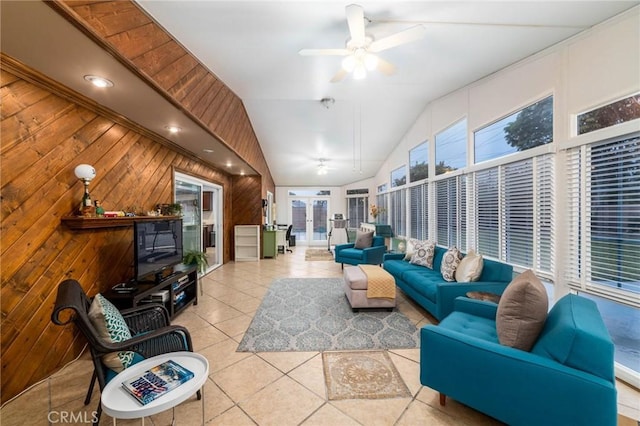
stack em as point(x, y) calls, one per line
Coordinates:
point(175, 291)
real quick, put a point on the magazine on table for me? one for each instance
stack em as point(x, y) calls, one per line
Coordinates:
point(157, 381)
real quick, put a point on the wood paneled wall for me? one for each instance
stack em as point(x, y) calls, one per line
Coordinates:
point(44, 137)
point(145, 47)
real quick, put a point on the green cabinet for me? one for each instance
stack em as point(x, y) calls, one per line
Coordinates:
point(269, 245)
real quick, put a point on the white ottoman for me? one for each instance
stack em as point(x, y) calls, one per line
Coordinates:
point(355, 288)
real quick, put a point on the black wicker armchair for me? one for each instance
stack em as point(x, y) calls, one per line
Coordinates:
point(150, 329)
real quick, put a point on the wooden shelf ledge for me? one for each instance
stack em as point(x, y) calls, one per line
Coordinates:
point(81, 222)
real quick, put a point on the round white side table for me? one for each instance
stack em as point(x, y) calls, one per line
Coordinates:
point(119, 404)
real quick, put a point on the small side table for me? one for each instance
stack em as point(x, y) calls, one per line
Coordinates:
point(119, 404)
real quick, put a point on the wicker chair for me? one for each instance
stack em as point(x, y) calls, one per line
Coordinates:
point(150, 328)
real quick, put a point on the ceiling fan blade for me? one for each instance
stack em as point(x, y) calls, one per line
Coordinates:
point(339, 76)
point(324, 52)
point(402, 37)
point(355, 19)
point(386, 67)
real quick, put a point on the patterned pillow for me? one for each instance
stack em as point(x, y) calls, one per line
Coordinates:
point(111, 327)
point(423, 252)
point(450, 262)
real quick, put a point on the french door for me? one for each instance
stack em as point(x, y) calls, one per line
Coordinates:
point(309, 217)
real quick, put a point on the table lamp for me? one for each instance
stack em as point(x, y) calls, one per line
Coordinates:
point(86, 173)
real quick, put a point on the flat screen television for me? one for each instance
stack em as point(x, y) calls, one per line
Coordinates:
point(157, 246)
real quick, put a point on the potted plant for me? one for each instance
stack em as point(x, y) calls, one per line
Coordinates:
point(196, 257)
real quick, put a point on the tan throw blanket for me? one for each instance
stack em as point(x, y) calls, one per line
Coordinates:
point(380, 284)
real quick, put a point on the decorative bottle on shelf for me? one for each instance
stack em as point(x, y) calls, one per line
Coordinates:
point(86, 208)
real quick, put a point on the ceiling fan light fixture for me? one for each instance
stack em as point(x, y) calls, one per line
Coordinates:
point(349, 63)
point(359, 72)
point(370, 62)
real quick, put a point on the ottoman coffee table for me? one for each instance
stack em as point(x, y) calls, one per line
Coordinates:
point(356, 284)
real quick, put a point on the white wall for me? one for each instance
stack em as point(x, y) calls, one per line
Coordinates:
point(593, 68)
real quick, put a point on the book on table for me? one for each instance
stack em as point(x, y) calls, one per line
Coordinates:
point(157, 381)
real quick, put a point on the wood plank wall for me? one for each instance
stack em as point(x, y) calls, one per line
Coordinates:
point(44, 136)
point(145, 47)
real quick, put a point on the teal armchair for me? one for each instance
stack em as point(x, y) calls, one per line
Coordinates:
point(566, 379)
point(347, 253)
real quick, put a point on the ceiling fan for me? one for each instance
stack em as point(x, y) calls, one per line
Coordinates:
point(361, 48)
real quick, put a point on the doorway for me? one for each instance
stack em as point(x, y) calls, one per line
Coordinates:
point(202, 219)
point(309, 217)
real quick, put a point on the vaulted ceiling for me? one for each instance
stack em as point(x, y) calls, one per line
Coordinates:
point(252, 46)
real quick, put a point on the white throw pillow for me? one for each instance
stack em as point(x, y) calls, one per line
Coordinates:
point(450, 262)
point(408, 253)
point(423, 253)
point(470, 268)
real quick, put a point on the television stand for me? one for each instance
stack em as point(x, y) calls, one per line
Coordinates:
point(175, 291)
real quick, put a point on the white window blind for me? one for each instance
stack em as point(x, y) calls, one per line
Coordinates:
point(451, 212)
point(487, 212)
point(604, 213)
point(514, 213)
point(419, 215)
point(398, 202)
point(357, 211)
point(383, 207)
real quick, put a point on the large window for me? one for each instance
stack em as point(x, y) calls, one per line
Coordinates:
point(399, 177)
point(419, 162)
point(357, 211)
point(451, 195)
point(398, 205)
point(451, 148)
point(609, 115)
point(419, 214)
point(604, 207)
point(526, 129)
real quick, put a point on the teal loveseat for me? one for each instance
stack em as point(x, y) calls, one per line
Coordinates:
point(566, 379)
point(427, 287)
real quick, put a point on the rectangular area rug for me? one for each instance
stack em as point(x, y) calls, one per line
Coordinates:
point(362, 375)
point(318, 254)
point(313, 314)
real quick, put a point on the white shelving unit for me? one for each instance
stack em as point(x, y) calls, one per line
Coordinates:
point(247, 243)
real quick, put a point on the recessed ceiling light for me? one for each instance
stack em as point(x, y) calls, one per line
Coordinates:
point(208, 151)
point(98, 81)
point(173, 129)
point(228, 164)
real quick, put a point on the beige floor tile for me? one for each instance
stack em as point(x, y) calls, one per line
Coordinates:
point(311, 376)
point(191, 321)
point(235, 326)
point(329, 415)
point(284, 402)
point(286, 361)
point(204, 337)
point(246, 377)
point(373, 412)
point(223, 354)
point(233, 417)
point(419, 413)
point(409, 371)
point(224, 313)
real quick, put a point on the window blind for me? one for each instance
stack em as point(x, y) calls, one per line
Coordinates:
point(604, 213)
point(398, 202)
point(419, 214)
point(487, 212)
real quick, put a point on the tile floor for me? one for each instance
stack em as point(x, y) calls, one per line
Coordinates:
point(264, 388)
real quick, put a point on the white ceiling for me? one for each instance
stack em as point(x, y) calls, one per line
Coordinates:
point(252, 46)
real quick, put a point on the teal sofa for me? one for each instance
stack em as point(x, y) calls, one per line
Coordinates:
point(566, 379)
point(427, 287)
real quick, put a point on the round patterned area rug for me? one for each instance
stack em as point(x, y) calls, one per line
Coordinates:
point(313, 314)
